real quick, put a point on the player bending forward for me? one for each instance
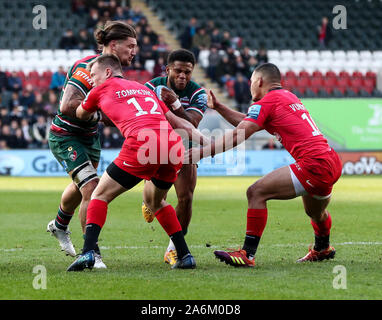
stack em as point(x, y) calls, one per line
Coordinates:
point(312, 176)
point(152, 151)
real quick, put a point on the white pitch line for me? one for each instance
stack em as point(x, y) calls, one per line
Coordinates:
point(350, 243)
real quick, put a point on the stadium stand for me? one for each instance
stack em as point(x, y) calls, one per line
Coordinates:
point(347, 65)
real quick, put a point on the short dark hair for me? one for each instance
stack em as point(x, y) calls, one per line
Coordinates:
point(181, 55)
point(114, 30)
point(270, 72)
point(107, 60)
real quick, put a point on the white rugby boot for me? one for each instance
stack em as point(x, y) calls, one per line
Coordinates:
point(99, 264)
point(63, 237)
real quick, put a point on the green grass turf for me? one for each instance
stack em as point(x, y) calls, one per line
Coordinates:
point(133, 250)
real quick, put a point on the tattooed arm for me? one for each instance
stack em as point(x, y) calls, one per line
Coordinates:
point(71, 99)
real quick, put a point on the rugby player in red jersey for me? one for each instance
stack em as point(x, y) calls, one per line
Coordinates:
point(152, 151)
point(75, 143)
point(312, 176)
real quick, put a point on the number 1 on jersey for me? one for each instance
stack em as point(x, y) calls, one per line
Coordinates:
point(316, 131)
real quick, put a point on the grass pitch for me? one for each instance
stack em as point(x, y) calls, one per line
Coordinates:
point(133, 250)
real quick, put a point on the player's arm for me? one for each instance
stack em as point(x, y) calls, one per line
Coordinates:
point(171, 100)
point(88, 109)
point(71, 98)
point(229, 141)
point(180, 123)
point(232, 116)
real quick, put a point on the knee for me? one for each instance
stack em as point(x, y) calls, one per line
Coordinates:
point(88, 189)
point(185, 199)
point(253, 191)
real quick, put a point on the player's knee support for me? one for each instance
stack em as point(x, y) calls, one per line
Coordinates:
point(83, 174)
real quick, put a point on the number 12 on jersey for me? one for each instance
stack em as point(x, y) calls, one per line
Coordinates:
point(316, 131)
point(139, 108)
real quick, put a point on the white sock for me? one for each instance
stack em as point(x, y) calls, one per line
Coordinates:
point(171, 246)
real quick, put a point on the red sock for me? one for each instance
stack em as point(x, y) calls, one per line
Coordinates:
point(256, 221)
point(168, 219)
point(96, 213)
point(322, 229)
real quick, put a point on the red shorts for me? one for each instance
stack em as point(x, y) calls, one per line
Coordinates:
point(318, 174)
point(160, 155)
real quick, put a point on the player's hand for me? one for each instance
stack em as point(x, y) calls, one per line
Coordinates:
point(168, 96)
point(212, 102)
point(195, 154)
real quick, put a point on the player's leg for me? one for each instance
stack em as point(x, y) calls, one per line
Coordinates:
point(277, 184)
point(113, 182)
point(70, 199)
point(153, 194)
point(70, 153)
point(316, 209)
point(184, 187)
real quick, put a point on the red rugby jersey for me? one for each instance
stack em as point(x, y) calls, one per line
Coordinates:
point(283, 115)
point(129, 105)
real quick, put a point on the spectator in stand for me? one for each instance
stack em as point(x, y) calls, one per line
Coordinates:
point(210, 27)
point(5, 116)
point(112, 8)
point(240, 66)
point(261, 56)
point(216, 38)
point(110, 140)
point(3, 81)
point(188, 33)
point(15, 83)
point(39, 104)
point(40, 131)
point(58, 79)
point(324, 33)
point(31, 116)
point(3, 145)
point(7, 136)
point(242, 93)
point(50, 108)
point(213, 62)
point(226, 41)
point(85, 40)
point(246, 54)
point(68, 40)
point(15, 101)
point(21, 142)
point(28, 97)
point(121, 14)
point(14, 125)
point(200, 41)
point(153, 36)
point(252, 64)
point(27, 131)
point(92, 20)
point(224, 71)
point(146, 51)
point(230, 52)
point(79, 7)
point(17, 113)
point(159, 68)
point(162, 47)
point(143, 23)
point(137, 15)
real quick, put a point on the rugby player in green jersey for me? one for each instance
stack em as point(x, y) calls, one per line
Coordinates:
point(75, 143)
point(187, 100)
